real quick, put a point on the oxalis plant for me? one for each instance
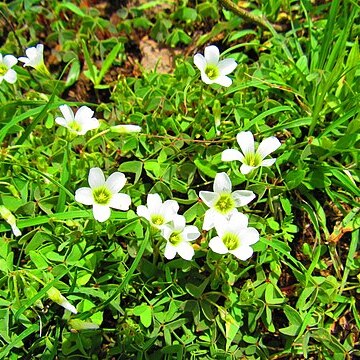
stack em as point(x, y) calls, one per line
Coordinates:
point(206, 213)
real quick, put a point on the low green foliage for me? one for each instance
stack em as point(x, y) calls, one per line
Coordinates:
point(296, 297)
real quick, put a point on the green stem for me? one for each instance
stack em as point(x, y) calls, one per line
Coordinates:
point(249, 17)
point(65, 175)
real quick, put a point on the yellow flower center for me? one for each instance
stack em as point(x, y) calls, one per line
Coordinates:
point(175, 238)
point(157, 219)
point(252, 159)
point(102, 195)
point(212, 71)
point(3, 69)
point(74, 126)
point(231, 241)
point(224, 204)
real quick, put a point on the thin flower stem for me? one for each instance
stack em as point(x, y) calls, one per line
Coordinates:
point(30, 275)
point(249, 17)
point(96, 136)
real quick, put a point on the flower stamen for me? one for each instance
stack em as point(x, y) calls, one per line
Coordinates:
point(3, 69)
point(175, 238)
point(212, 71)
point(157, 219)
point(224, 204)
point(102, 195)
point(231, 241)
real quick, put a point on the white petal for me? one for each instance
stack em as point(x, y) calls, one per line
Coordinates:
point(178, 222)
point(166, 232)
point(143, 211)
point(212, 54)
point(268, 162)
point(245, 169)
point(154, 203)
point(223, 81)
point(10, 76)
point(208, 197)
point(222, 183)
point(221, 224)
point(169, 208)
point(84, 196)
point(190, 233)
point(205, 79)
point(242, 197)
point(185, 250)
point(25, 60)
point(245, 140)
point(31, 53)
point(101, 212)
point(61, 121)
point(209, 219)
point(115, 182)
point(84, 113)
point(16, 231)
point(170, 251)
point(231, 154)
point(243, 252)
point(216, 245)
point(268, 146)
point(67, 112)
point(237, 223)
point(89, 124)
point(10, 60)
point(96, 177)
point(200, 62)
point(120, 201)
point(66, 305)
point(227, 66)
point(248, 236)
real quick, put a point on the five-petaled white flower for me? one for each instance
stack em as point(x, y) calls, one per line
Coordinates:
point(157, 212)
point(56, 296)
point(6, 73)
point(234, 236)
point(222, 202)
point(103, 195)
point(79, 124)
point(34, 57)
point(212, 70)
point(178, 235)
point(249, 158)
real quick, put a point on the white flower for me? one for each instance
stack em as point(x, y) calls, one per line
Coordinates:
point(35, 57)
point(178, 235)
point(80, 123)
point(212, 70)
point(249, 158)
point(157, 212)
point(103, 195)
point(56, 296)
point(125, 129)
point(234, 236)
point(222, 202)
point(7, 215)
point(6, 73)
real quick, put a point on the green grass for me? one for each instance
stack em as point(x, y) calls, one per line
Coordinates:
point(296, 297)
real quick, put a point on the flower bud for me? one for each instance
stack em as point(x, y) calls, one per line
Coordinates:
point(55, 295)
point(125, 129)
point(10, 219)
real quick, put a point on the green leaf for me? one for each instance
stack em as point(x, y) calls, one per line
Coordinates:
point(294, 178)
